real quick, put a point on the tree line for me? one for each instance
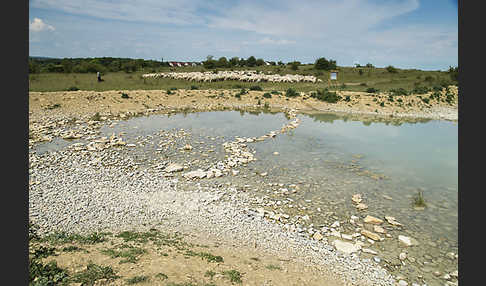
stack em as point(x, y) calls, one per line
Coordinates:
point(110, 64)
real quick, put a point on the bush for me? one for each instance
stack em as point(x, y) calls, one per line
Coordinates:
point(426, 100)
point(275, 92)
point(347, 99)
point(193, 87)
point(391, 69)
point(371, 90)
point(72, 88)
point(325, 95)
point(124, 95)
point(267, 95)
point(291, 93)
point(382, 104)
point(294, 65)
point(399, 91)
point(256, 87)
point(420, 90)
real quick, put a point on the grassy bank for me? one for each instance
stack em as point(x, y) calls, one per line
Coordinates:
point(351, 79)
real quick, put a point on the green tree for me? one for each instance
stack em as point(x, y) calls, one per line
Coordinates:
point(323, 64)
point(260, 62)
point(234, 61)
point(251, 61)
point(222, 62)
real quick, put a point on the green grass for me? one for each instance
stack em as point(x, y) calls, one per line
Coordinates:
point(204, 255)
point(129, 253)
point(418, 200)
point(232, 275)
point(210, 274)
point(376, 77)
point(141, 237)
point(273, 267)
point(94, 272)
point(46, 274)
point(137, 279)
point(63, 237)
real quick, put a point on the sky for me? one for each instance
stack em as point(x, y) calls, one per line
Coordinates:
point(410, 34)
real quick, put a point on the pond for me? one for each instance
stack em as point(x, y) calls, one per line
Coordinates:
point(322, 163)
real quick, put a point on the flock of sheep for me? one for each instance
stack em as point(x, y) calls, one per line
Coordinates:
point(248, 76)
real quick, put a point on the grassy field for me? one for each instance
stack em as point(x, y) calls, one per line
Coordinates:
point(352, 79)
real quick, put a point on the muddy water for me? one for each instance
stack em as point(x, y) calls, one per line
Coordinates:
point(320, 165)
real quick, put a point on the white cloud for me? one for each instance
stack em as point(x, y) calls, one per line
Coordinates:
point(37, 25)
point(270, 41)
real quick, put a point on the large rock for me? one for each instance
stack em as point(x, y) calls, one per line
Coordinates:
point(346, 247)
point(195, 174)
point(372, 220)
point(371, 235)
point(173, 167)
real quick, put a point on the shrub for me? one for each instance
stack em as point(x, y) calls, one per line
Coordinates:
point(294, 66)
point(399, 91)
point(391, 69)
point(267, 95)
point(124, 95)
point(256, 87)
point(193, 87)
point(371, 90)
point(325, 95)
point(382, 104)
point(275, 92)
point(170, 92)
point(420, 90)
point(72, 88)
point(425, 100)
point(347, 99)
point(291, 93)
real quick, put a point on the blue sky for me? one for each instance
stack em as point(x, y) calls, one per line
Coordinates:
point(403, 33)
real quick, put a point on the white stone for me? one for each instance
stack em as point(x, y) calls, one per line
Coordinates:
point(367, 250)
point(173, 167)
point(408, 241)
point(402, 256)
point(402, 283)
point(344, 246)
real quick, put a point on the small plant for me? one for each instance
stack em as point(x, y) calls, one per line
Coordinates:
point(210, 274)
point(137, 279)
point(382, 104)
point(291, 93)
point(371, 90)
point(130, 254)
point(170, 92)
point(267, 95)
point(124, 95)
point(46, 274)
point(161, 276)
point(233, 275)
point(256, 87)
point(347, 99)
point(273, 267)
point(418, 200)
point(204, 255)
point(325, 95)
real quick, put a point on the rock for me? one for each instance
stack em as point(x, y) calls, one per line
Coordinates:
point(408, 241)
point(173, 167)
point(356, 198)
point(235, 172)
point(378, 229)
point(188, 147)
point(335, 224)
point(391, 220)
point(343, 246)
point(454, 274)
point(317, 236)
point(263, 174)
point(361, 206)
point(377, 259)
point(367, 250)
point(446, 277)
point(402, 256)
point(402, 283)
point(347, 236)
point(372, 220)
point(195, 174)
point(371, 235)
point(451, 255)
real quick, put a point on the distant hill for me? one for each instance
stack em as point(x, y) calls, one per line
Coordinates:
point(41, 58)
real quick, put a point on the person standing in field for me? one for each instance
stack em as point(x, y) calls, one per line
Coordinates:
point(99, 76)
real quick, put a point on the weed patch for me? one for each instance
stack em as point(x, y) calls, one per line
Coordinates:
point(94, 272)
point(137, 279)
point(233, 275)
point(204, 255)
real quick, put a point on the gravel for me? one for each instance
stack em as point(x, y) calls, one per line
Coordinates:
point(83, 191)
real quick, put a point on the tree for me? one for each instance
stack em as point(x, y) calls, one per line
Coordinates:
point(222, 62)
point(391, 69)
point(294, 65)
point(454, 73)
point(323, 64)
point(251, 61)
point(234, 61)
point(260, 62)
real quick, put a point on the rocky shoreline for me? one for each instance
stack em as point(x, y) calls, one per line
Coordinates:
point(97, 190)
